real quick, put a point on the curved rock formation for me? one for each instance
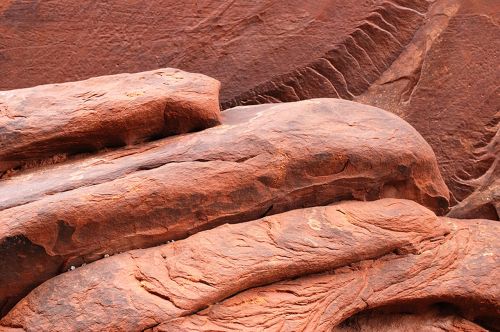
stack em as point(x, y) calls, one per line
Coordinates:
point(263, 160)
point(420, 59)
point(302, 214)
point(49, 120)
point(446, 86)
point(319, 266)
point(460, 269)
point(424, 63)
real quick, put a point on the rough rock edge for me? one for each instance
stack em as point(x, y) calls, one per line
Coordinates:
point(352, 65)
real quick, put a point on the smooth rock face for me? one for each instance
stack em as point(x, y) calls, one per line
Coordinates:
point(319, 266)
point(46, 121)
point(263, 160)
point(241, 43)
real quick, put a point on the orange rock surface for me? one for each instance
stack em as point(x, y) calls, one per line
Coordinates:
point(262, 160)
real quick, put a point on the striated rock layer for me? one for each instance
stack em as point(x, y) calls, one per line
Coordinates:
point(461, 269)
point(316, 267)
point(263, 160)
point(45, 121)
point(419, 59)
point(430, 320)
point(351, 65)
point(446, 85)
point(485, 200)
point(424, 62)
point(239, 42)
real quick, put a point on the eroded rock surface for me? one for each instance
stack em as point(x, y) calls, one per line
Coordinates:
point(419, 59)
point(424, 62)
point(263, 160)
point(316, 267)
point(461, 268)
point(80, 179)
point(430, 320)
point(239, 42)
point(484, 202)
point(47, 121)
point(446, 85)
point(352, 64)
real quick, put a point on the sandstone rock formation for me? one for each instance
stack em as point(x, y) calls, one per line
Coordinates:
point(485, 200)
point(109, 111)
point(319, 266)
point(433, 320)
point(446, 86)
point(420, 59)
point(460, 268)
point(129, 202)
point(263, 160)
point(351, 65)
point(56, 41)
point(441, 80)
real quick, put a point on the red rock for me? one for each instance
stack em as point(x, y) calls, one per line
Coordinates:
point(45, 121)
point(419, 59)
point(150, 285)
point(460, 269)
point(484, 202)
point(263, 160)
point(426, 65)
point(241, 43)
point(351, 65)
point(446, 86)
point(320, 265)
point(431, 320)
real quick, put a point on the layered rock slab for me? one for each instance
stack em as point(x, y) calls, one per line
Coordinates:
point(263, 160)
point(461, 269)
point(424, 62)
point(146, 286)
point(320, 265)
point(47, 121)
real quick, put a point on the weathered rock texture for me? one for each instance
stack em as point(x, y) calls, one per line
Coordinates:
point(444, 82)
point(352, 64)
point(49, 120)
point(485, 200)
point(446, 85)
point(263, 160)
point(433, 320)
point(421, 59)
point(461, 269)
point(318, 267)
point(241, 43)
